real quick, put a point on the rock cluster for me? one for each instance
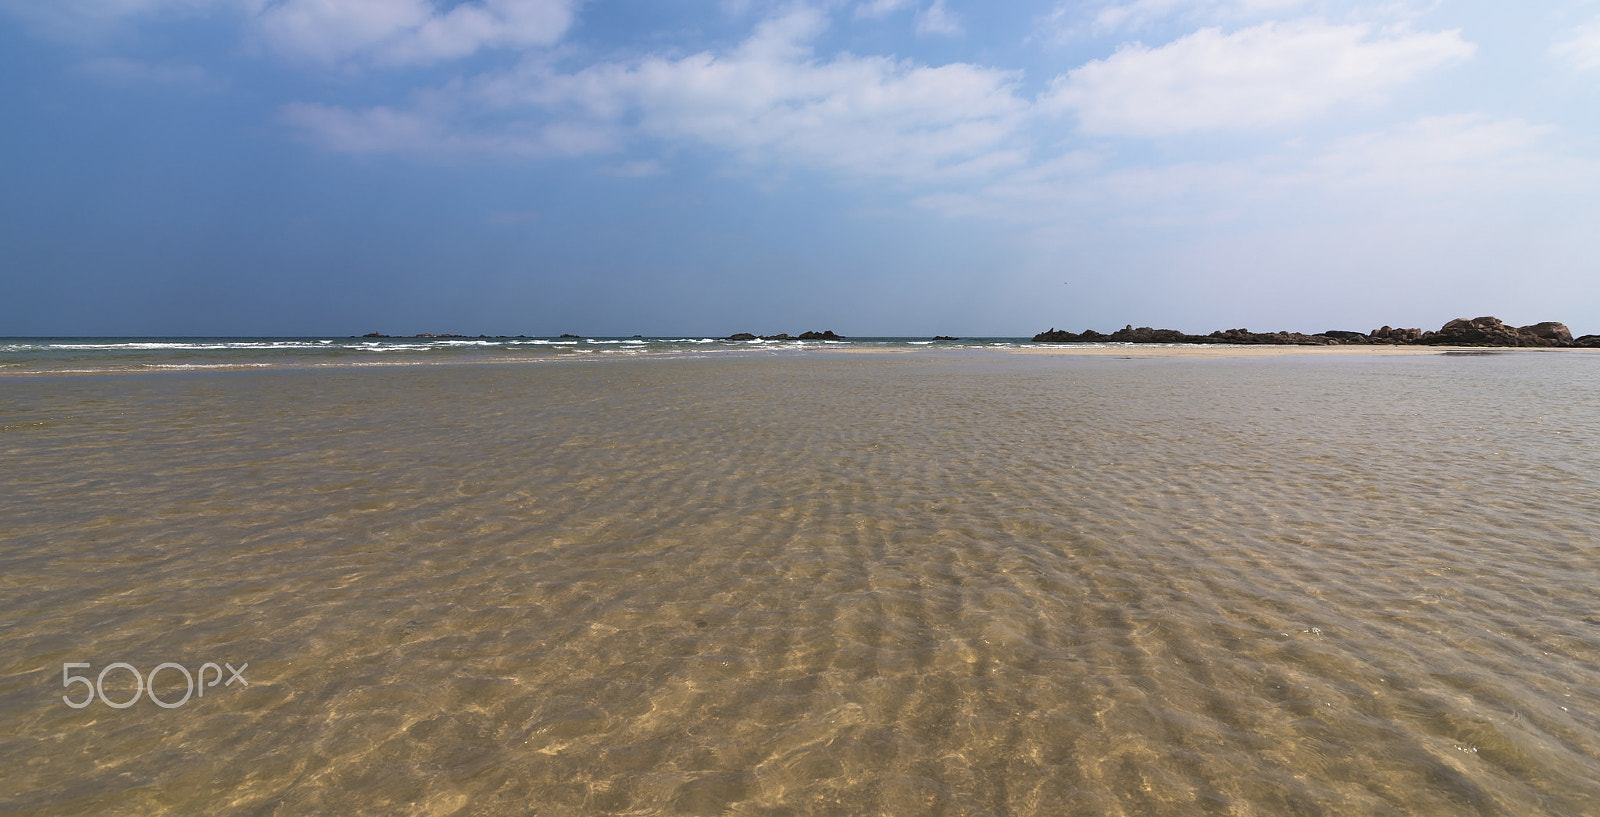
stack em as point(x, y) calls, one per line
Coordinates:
point(827, 335)
point(422, 335)
point(1490, 331)
point(1486, 331)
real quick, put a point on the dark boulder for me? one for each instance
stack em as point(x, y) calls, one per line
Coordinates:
point(1549, 330)
point(1386, 334)
point(944, 337)
point(1145, 334)
point(1054, 335)
point(1491, 331)
point(827, 335)
point(1281, 338)
point(742, 336)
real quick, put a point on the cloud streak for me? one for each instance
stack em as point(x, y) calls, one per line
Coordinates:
point(936, 19)
point(1261, 77)
point(1582, 48)
point(408, 32)
point(1458, 160)
point(770, 99)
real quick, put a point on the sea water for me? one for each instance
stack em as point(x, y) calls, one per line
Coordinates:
point(939, 582)
point(29, 356)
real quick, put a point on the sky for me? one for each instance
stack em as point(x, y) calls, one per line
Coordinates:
point(874, 167)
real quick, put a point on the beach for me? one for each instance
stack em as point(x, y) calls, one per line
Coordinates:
point(1221, 352)
point(998, 579)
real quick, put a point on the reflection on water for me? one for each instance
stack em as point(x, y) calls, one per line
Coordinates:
point(957, 584)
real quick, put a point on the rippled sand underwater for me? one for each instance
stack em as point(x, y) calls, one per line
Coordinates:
point(943, 583)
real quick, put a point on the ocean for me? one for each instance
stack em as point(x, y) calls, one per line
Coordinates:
point(29, 356)
point(689, 576)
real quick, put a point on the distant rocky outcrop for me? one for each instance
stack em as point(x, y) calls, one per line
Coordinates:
point(1485, 331)
point(421, 335)
point(1550, 330)
point(828, 335)
point(1145, 334)
point(944, 337)
point(1490, 331)
point(1385, 334)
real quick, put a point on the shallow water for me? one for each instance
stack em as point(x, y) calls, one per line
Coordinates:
point(957, 583)
point(77, 356)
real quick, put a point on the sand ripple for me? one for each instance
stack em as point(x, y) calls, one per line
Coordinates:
point(944, 585)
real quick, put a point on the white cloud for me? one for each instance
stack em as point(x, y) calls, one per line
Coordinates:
point(772, 102)
point(386, 130)
point(1438, 162)
point(1119, 16)
point(401, 32)
point(768, 100)
point(1077, 21)
point(877, 9)
point(1433, 150)
point(1268, 75)
point(771, 99)
point(936, 19)
point(385, 32)
point(1582, 49)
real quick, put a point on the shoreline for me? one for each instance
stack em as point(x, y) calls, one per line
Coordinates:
point(1264, 350)
point(1132, 351)
point(1485, 331)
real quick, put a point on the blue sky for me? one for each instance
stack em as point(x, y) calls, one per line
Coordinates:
point(899, 167)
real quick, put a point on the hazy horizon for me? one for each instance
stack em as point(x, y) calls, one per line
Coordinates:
point(474, 334)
